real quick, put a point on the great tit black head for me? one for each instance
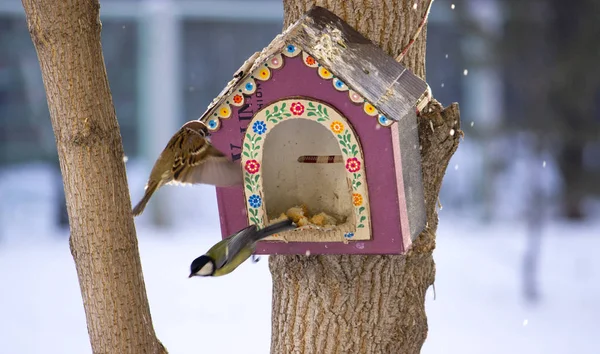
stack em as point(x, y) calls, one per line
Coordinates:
point(202, 266)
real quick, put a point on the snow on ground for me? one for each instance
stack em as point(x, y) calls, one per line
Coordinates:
point(479, 306)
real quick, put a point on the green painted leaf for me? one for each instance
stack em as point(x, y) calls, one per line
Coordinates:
point(249, 188)
point(311, 114)
point(283, 106)
point(360, 226)
point(319, 108)
point(267, 112)
point(287, 114)
point(310, 104)
point(256, 177)
point(247, 146)
point(245, 153)
point(258, 139)
point(275, 109)
point(358, 184)
point(363, 218)
point(248, 180)
point(325, 111)
point(361, 209)
point(345, 151)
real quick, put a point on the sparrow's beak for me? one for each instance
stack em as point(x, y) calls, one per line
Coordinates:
point(191, 275)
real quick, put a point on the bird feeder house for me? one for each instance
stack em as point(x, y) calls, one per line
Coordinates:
point(324, 125)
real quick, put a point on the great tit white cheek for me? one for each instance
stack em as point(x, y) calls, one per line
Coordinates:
point(207, 269)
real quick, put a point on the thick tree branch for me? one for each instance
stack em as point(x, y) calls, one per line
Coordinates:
point(66, 35)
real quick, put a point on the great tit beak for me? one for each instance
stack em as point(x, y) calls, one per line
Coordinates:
point(191, 275)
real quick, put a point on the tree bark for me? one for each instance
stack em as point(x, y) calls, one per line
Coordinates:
point(368, 304)
point(66, 35)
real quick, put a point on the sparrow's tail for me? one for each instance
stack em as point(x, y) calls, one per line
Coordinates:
point(281, 226)
point(139, 208)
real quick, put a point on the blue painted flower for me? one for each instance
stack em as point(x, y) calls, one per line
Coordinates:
point(339, 84)
point(290, 48)
point(259, 127)
point(212, 124)
point(383, 120)
point(255, 201)
point(349, 234)
point(249, 86)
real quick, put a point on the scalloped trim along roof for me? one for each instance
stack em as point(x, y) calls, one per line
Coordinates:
point(264, 73)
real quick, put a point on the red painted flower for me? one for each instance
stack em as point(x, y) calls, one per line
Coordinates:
point(237, 98)
point(352, 164)
point(310, 60)
point(252, 166)
point(297, 108)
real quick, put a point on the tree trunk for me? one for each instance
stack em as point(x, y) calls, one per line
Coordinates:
point(66, 35)
point(368, 304)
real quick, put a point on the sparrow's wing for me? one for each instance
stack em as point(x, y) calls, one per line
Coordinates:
point(197, 161)
point(211, 166)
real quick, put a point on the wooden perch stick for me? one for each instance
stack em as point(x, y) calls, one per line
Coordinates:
point(321, 159)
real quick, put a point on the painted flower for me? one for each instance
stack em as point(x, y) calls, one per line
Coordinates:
point(355, 97)
point(238, 99)
point(357, 199)
point(224, 111)
point(369, 109)
point(212, 124)
point(249, 86)
point(337, 127)
point(252, 166)
point(297, 108)
point(290, 48)
point(383, 120)
point(310, 60)
point(352, 164)
point(324, 73)
point(255, 201)
point(259, 127)
point(338, 84)
point(264, 74)
point(349, 234)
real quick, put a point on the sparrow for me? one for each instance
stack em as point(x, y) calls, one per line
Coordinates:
point(190, 158)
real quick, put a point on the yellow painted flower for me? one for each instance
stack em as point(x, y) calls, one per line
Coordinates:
point(224, 111)
point(357, 199)
point(264, 74)
point(324, 73)
point(369, 109)
point(337, 127)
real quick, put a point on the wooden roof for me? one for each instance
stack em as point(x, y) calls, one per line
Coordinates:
point(359, 63)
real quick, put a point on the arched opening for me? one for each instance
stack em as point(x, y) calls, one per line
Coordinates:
point(329, 200)
point(321, 187)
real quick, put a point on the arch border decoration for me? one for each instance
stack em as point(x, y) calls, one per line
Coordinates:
point(304, 108)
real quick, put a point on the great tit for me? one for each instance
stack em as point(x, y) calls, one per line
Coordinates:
point(228, 254)
point(189, 157)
